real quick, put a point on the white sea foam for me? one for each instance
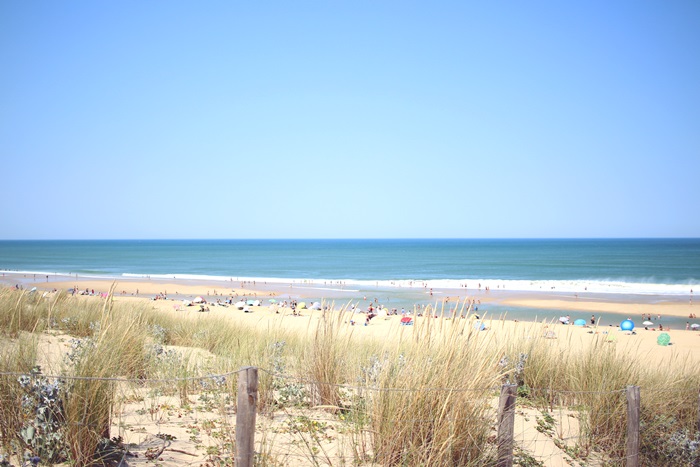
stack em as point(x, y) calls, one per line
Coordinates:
point(54, 275)
point(566, 286)
point(327, 288)
point(469, 285)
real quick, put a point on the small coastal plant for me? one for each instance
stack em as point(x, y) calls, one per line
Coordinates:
point(17, 359)
point(424, 398)
point(287, 390)
point(664, 441)
point(43, 430)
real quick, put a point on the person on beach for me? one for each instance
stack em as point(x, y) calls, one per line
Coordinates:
point(592, 320)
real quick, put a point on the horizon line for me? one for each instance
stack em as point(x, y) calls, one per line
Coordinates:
point(344, 238)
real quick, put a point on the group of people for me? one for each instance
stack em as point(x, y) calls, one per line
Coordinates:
point(90, 292)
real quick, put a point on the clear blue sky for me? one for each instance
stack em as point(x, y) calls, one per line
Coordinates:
point(169, 119)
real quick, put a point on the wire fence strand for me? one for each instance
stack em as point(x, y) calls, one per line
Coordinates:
point(186, 422)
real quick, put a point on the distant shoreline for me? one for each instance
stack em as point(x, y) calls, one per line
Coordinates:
point(464, 286)
point(576, 266)
point(551, 303)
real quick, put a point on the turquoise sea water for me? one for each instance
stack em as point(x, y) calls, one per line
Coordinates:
point(666, 266)
point(399, 272)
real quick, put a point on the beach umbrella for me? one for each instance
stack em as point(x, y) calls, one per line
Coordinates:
point(240, 305)
point(580, 322)
point(663, 339)
point(648, 323)
point(301, 305)
point(198, 300)
point(272, 300)
point(695, 326)
point(479, 326)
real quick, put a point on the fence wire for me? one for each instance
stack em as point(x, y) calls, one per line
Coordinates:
point(191, 420)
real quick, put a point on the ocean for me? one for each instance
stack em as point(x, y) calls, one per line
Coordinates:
point(623, 266)
point(400, 272)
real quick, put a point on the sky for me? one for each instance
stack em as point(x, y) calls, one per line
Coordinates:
point(357, 119)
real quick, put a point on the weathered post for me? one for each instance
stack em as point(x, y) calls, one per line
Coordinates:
point(245, 416)
point(699, 411)
point(633, 405)
point(506, 423)
point(697, 461)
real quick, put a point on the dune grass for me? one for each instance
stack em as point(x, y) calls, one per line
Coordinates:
point(432, 406)
point(16, 356)
point(425, 397)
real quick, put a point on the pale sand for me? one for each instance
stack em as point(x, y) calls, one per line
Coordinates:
point(642, 344)
point(680, 308)
point(630, 305)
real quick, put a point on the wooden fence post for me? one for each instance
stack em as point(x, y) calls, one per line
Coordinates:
point(245, 416)
point(506, 422)
point(633, 406)
point(699, 411)
point(697, 461)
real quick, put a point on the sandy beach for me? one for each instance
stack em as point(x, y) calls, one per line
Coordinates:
point(642, 343)
point(632, 305)
point(170, 297)
point(678, 307)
